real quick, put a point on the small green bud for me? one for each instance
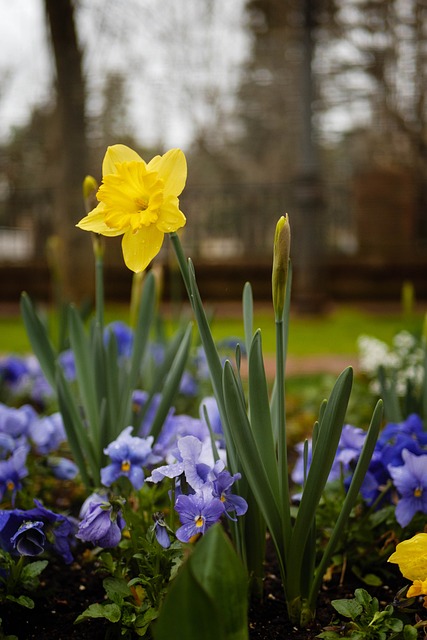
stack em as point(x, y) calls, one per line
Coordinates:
point(282, 243)
point(90, 187)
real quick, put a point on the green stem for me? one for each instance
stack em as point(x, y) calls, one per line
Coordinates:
point(182, 261)
point(99, 289)
point(282, 444)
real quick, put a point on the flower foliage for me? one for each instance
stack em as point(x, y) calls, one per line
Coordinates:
point(397, 471)
point(139, 201)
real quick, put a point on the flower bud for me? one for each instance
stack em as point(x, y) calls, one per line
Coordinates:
point(90, 187)
point(282, 242)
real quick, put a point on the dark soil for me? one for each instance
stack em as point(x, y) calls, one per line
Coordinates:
point(66, 591)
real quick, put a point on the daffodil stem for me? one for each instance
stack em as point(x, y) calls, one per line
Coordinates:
point(282, 444)
point(182, 261)
point(99, 290)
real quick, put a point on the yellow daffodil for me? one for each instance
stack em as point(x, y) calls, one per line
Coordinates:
point(138, 200)
point(411, 556)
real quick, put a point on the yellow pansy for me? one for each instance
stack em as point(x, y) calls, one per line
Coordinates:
point(138, 200)
point(411, 556)
point(419, 588)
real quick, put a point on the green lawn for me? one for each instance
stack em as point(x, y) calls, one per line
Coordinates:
point(333, 333)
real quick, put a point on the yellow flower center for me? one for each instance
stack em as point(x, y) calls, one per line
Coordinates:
point(10, 485)
point(200, 521)
point(418, 492)
point(132, 197)
point(126, 466)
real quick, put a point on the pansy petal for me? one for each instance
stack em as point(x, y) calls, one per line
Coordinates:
point(118, 153)
point(170, 217)
point(411, 556)
point(172, 169)
point(141, 247)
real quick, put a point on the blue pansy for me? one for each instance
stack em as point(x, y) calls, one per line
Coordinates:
point(410, 480)
point(12, 471)
point(123, 335)
point(47, 433)
point(197, 512)
point(29, 539)
point(102, 524)
point(128, 455)
point(59, 529)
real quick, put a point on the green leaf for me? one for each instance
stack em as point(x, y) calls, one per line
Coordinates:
point(323, 456)
point(216, 566)
point(348, 608)
point(39, 340)
point(111, 612)
point(84, 371)
point(260, 418)
point(351, 496)
point(200, 620)
point(33, 569)
point(76, 432)
point(410, 632)
point(116, 589)
point(23, 601)
point(172, 382)
point(245, 444)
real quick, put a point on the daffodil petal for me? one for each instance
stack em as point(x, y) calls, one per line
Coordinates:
point(170, 216)
point(118, 153)
point(141, 247)
point(172, 169)
point(95, 221)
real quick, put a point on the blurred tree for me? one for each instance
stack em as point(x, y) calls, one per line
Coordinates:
point(277, 98)
point(74, 255)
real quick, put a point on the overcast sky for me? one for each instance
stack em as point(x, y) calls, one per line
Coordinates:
point(177, 74)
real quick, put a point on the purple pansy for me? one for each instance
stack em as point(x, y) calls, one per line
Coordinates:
point(12, 470)
point(16, 422)
point(123, 335)
point(128, 455)
point(160, 531)
point(29, 539)
point(410, 480)
point(192, 461)
point(222, 490)
point(62, 468)
point(58, 529)
point(210, 404)
point(197, 512)
point(47, 433)
point(102, 524)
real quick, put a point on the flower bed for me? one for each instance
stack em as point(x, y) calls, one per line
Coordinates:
point(144, 479)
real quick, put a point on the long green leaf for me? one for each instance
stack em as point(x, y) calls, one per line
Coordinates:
point(77, 437)
point(352, 493)
point(172, 382)
point(252, 465)
point(260, 418)
point(39, 340)
point(85, 372)
point(163, 369)
point(322, 459)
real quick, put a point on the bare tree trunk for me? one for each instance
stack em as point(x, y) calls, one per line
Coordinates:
point(75, 261)
point(307, 236)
